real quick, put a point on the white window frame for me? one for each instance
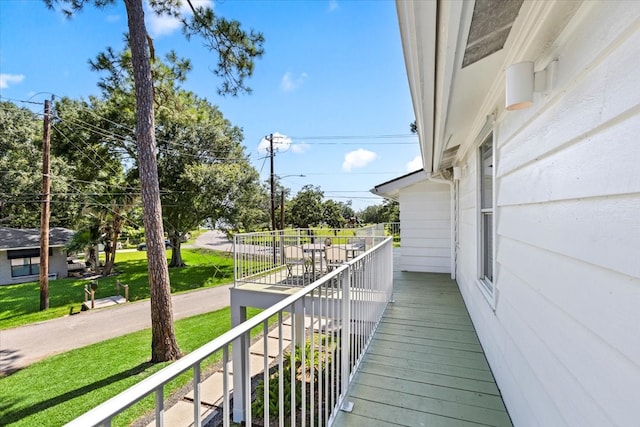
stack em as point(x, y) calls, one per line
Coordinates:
point(487, 285)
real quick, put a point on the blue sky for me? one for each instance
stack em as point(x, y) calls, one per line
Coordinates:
point(330, 69)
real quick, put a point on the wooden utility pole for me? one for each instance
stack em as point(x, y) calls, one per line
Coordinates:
point(273, 193)
point(282, 210)
point(273, 201)
point(46, 209)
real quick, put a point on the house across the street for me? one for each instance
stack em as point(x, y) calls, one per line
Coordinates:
point(20, 254)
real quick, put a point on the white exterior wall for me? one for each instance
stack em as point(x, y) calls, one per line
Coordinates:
point(564, 341)
point(425, 231)
point(57, 265)
point(5, 269)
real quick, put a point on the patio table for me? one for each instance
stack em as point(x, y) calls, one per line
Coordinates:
point(313, 248)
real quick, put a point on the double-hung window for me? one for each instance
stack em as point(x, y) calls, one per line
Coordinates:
point(486, 213)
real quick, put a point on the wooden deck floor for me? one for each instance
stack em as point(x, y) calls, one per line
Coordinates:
point(425, 366)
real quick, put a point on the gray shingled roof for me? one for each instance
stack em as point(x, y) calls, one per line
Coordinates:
point(24, 238)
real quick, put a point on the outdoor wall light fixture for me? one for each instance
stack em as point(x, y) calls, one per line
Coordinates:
point(522, 81)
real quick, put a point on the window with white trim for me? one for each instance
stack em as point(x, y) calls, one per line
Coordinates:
point(486, 212)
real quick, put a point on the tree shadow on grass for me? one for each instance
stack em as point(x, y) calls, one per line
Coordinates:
point(10, 415)
point(7, 359)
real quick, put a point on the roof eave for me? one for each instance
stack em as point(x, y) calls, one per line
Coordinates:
point(391, 189)
point(418, 23)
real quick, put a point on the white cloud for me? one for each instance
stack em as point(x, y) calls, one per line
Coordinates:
point(358, 159)
point(289, 82)
point(280, 143)
point(300, 148)
point(161, 25)
point(165, 25)
point(7, 79)
point(333, 5)
point(415, 164)
point(113, 18)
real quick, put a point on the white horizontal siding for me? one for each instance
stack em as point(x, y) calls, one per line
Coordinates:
point(443, 252)
point(564, 340)
point(600, 231)
point(422, 209)
point(586, 319)
point(426, 227)
point(509, 362)
point(613, 168)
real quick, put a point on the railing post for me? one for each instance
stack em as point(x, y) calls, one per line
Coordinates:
point(346, 339)
point(225, 386)
point(246, 377)
point(160, 406)
point(236, 263)
point(197, 421)
point(238, 355)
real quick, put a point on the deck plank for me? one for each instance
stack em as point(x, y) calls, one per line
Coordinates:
point(425, 365)
point(424, 353)
point(379, 415)
point(450, 394)
point(443, 378)
point(448, 347)
point(406, 399)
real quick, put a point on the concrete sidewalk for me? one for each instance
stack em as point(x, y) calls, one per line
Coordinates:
point(24, 345)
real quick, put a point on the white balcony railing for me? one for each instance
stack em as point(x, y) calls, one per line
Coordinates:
point(332, 322)
point(262, 257)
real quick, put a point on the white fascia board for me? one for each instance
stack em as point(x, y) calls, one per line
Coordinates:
point(451, 42)
point(391, 189)
point(418, 21)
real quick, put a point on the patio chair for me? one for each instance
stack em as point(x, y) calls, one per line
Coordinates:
point(295, 256)
point(335, 256)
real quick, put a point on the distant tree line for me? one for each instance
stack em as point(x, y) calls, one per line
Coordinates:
point(204, 171)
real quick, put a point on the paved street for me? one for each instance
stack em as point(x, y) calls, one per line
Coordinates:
point(24, 345)
point(214, 240)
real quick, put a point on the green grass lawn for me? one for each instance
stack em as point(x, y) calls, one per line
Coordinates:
point(19, 304)
point(56, 390)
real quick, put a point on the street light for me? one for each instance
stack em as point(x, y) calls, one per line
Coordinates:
point(287, 176)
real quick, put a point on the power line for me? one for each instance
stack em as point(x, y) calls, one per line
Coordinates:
point(129, 138)
point(345, 191)
point(353, 173)
point(98, 183)
point(358, 143)
point(21, 100)
point(326, 137)
point(83, 151)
